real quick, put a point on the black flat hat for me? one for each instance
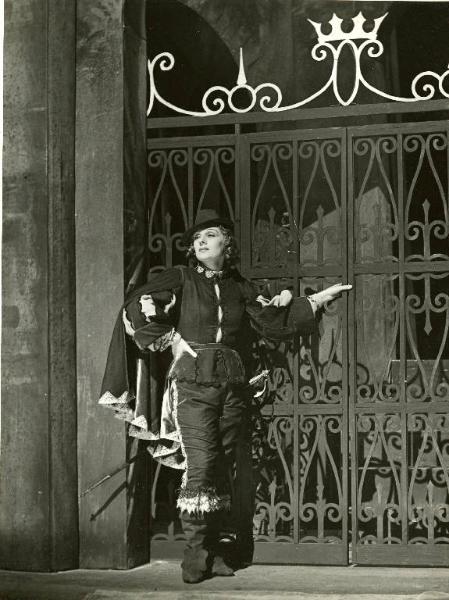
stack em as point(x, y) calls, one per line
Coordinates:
point(206, 218)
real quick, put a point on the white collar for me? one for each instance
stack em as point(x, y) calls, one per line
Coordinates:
point(209, 273)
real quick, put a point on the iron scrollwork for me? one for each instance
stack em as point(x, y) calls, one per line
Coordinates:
point(268, 97)
point(428, 488)
point(379, 488)
point(182, 181)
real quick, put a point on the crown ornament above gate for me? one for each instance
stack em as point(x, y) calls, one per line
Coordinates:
point(267, 97)
point(357, 32)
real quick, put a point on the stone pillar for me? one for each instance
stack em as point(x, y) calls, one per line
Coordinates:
point(110, 107)
point(38, 471)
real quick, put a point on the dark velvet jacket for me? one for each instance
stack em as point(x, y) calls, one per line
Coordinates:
point(187, 300)
point(195, 313)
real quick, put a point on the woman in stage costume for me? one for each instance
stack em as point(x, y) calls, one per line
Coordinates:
point(200, 311)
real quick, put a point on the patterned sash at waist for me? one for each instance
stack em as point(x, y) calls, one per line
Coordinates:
point(214, 365)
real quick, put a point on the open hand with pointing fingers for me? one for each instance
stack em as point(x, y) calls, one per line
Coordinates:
point(330, 293)
point(282, 299)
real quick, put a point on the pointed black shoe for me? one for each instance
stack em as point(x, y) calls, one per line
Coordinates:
point(194, 566)
point(220, 568)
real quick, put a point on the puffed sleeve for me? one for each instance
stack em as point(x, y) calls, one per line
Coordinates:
point(149, 314)
point(145, 317)
point(278, 322)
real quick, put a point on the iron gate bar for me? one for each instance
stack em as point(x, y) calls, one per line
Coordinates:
point(402, 338)
point(237, 182)
point(278, 410)
point(191, 140)
point(322, 133)
point(412, 407)
point(245, 208)
point(400, 128)
point(345, 353)
point(404, 552)
point(298, 551)
point(301, 114)
point(351, 344)
point(257, 272)
point(404, 555)
point(435, 266)
point(296, 250)
point(280, 553)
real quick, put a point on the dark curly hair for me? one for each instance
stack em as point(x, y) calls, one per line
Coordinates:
point(231, 251)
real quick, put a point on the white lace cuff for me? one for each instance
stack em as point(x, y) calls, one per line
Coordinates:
point(164, 341)
point(313, 303)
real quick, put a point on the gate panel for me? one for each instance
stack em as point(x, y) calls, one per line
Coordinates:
point(399, 265)
point(293, 206)
point(184, 175)
point(296, 231)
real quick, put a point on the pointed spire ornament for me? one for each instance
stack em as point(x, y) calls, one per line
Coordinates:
point(241, 79)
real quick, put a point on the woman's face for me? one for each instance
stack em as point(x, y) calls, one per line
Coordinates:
point(209, 246)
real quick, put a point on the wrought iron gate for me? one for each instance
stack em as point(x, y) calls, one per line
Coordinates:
point(351, 444)
point(399, 345)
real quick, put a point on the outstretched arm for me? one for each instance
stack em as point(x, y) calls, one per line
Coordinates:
point(284, 315)
point(319, 299)
point(280, 317)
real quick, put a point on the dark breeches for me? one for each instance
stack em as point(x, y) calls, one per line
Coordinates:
point(210, 420)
